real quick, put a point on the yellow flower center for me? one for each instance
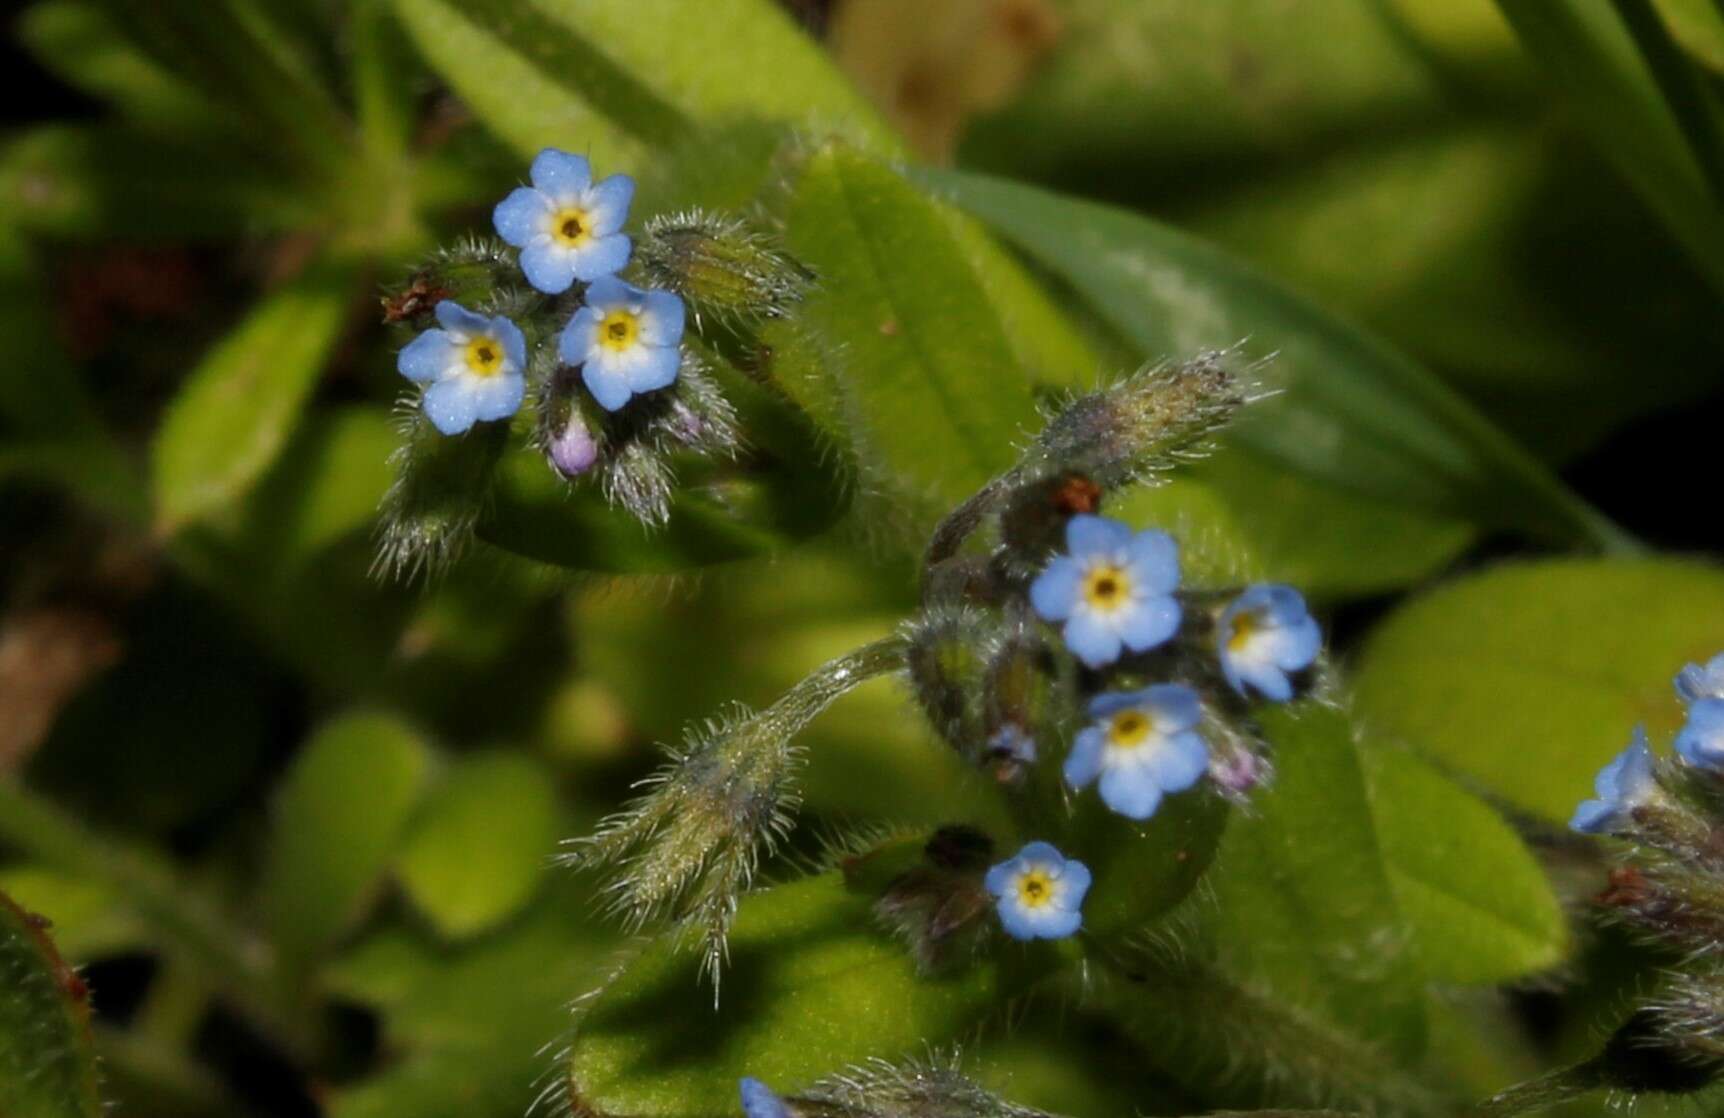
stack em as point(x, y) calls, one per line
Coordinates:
point(619, 329)
point(1035, 889)
point(484, 356)
point(1245, 626)
point(571, 227)
point(1128, 729)
point(1106, 587)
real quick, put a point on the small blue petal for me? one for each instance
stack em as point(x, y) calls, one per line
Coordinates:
point(548, 266)
point(1149, 623)
point(1621, 786)
point(608, 293)
point(1060, 916)
point(608, 203)
point(514, 342)
point(428, 357)
point(653, 367)
point(759, 1101)
point(460, 321)
point(662, 318)
point(1083, 763)
point(1700, 742)
point(498, 397)
point(1091, 640)
point(1695, 682)
point(522, 216)
point(562, 176)
point(1055, 590)
point(577, 338)
point(600, 257)
point(1179, 763)
point(1152, 558)
point(1090, 535)
point(1176, 705)
point(1132, 792)
point(450, 404)
point(610, 390)
point(1039, 851)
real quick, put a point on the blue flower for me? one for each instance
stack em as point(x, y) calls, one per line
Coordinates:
point(1694, 682)
point(1011, 741)
point(1623, 785)
point(1112, 589)
point(1265, 633)
point(473, 366)
point(1701, 740)
point(565, 224)
point(1143, 743)
point(625, 340)
point(1039, 893)
point(759, 1100)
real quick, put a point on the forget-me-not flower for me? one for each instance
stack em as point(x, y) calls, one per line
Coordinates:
point(1014, 742)
point(1696, 682)
point(1039, 892)
point(1700, 742)
point(1142, 744)
point(1264, 634)
point(625, 340)
point(566, 225)
point(1621, 786)
point(1112, 588)
point(759, 1100)
point(473, 366)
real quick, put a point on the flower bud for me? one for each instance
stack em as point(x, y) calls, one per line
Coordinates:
point(441, 484)
point(947, 660)
point(1152, 420)
point(720, 266)
point(1017, 697)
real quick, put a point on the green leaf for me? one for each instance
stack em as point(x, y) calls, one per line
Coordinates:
point(1305, 907)
point(47, 1062)
point(811, 987)
point(480, 845)
point(1588, 53)
point(90, 919)
point(571, 72)
point(1528, 677)
point(1699, 26)
point(84, 47)
point(1479, 905)
point(1351, 410)
point(238, 407)
point(340, 818)
point(924, 380)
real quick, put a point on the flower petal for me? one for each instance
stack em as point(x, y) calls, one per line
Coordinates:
point(461, 322)
point(607, 293)
point(428, 357)
point(498, 397)
point(548, 266)
point(1083, 763)
point(523, 215)
point(1055, 590)
point(600, 257)
point(662, 318)
point(1152, 557)
point(1148, 623)
point(1091, 639)
point(1179, 762)
point(450, 404)
point(1131, 791)
point(653, 367)
point(578, 337)
point(514, 343)
point(563, 176)
point(607, 203)
point(1089, 535)
point(608, 388)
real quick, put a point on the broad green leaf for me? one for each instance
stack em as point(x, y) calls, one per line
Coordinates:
point(481, 843)
point(238, 407)
point(1134, 89)
point(1482, 288)
point(325, 487)
point(90, 921)
point(1306, 910)
point(1238, 518)
point(812, 986)
point(1698, 25)
point(47, 1061)
point(922, 379)
point(1351, 410)
point(1479, 905)
point(1588, 54)
point(340, 817)
point(1142, 872)
point(614, 73)
point(1528, 677)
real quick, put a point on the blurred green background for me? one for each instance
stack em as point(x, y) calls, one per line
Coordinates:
point(294, 821)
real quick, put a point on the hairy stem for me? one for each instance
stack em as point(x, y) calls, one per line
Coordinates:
point(1539, 1094)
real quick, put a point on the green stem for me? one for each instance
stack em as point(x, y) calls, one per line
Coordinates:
point(1683, 86)
point(188, 926)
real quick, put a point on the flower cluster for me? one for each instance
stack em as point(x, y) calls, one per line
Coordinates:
point(625, 341)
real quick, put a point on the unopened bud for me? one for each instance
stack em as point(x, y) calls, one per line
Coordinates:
point(1150, 421)
point(947, 661)
point(720, 266)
